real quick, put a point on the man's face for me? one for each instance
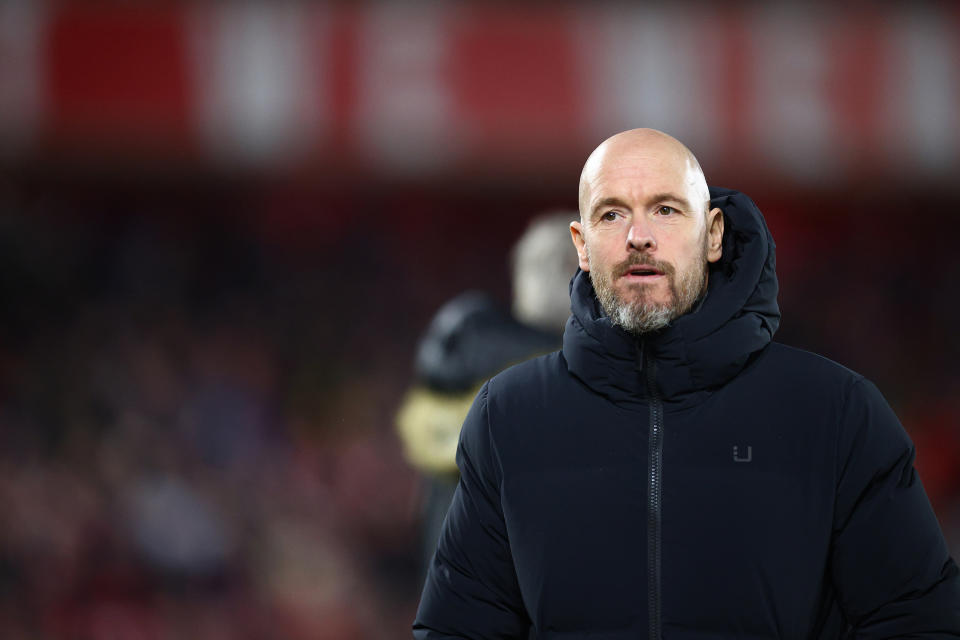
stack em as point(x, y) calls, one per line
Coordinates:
point(645, 236)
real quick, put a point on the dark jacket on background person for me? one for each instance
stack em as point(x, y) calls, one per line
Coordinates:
point(469, 340)
point(700, 482)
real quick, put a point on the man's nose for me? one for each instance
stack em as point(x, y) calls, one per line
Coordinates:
point(640, 237)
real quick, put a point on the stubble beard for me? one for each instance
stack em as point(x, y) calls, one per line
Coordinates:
point(635, 311)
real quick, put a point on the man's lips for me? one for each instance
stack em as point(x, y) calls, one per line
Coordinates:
point(642, 271)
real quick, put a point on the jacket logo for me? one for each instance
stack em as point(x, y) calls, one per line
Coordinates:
point(738, 458)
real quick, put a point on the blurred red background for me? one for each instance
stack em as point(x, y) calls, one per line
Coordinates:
point(225, 225)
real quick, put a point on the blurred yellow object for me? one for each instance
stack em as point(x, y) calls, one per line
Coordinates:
point(429, 425)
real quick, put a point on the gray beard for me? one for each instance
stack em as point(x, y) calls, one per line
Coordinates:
point(638, 314)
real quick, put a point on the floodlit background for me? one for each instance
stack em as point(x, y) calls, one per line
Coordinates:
point(224, 226)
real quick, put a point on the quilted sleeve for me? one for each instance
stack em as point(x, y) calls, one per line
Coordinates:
point(471, 589)
point(889, 561)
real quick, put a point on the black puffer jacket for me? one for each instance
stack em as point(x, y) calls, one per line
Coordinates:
point(704, 482)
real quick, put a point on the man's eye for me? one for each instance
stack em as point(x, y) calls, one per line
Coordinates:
point(666, 211)
point(609, 216)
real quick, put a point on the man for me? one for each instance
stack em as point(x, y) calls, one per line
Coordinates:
point(672, 472)
point(471, 339)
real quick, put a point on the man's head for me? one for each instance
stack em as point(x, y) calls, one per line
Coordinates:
point(646, 232)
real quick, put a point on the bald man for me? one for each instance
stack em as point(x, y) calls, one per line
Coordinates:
point(672, 472)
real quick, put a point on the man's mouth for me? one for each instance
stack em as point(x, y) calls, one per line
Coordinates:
point(642, 271)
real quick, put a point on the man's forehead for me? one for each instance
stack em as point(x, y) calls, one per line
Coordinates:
point(641, 171)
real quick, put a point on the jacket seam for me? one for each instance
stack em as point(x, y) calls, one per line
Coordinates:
point(490, 440)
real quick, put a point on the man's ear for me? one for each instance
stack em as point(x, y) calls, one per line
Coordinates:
point(714, 235)
point(580, 242)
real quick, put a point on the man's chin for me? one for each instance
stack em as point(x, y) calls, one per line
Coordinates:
point(644, 295)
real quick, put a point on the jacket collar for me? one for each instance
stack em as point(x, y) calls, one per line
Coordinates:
point(699, 351)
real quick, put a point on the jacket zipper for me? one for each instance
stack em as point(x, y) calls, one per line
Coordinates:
point(655, 479)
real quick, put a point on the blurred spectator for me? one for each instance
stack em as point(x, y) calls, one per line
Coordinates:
point(470, 340)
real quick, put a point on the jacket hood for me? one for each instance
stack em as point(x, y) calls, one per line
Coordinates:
point(700, 350)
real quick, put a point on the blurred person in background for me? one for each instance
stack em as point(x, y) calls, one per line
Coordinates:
point(672, 470)
point(471, 339)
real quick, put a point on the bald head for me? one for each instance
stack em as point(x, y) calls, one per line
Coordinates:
point(649, 154)
point(646, 234)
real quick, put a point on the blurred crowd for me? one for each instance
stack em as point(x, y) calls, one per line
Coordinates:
point(178, 456)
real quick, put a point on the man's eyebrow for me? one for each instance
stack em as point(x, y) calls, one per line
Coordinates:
point(609, 201)
point(671, 197)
